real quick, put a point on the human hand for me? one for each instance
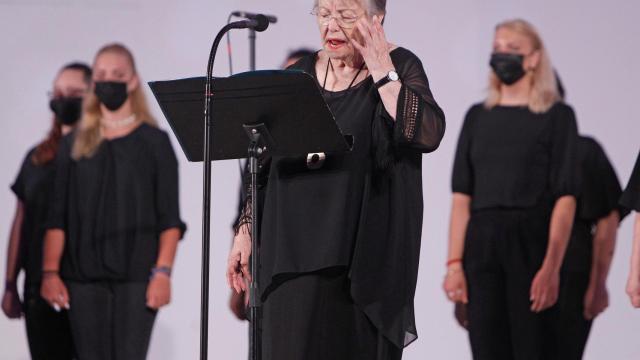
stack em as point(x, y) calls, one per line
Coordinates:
point(159, 291)
point(372, 44)
point(11, 305)
point(455, 284)
point(596, 300)
point(633, 290)
point(54, 292)
point(238, 275)
point(544, 289)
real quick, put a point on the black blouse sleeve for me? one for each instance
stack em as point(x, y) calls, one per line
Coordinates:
point(420, 122)
point(167, 198)
point(462, 177)
point(601, 188)
point(631, 197)
point(18, 186)
point(564, 166)
point(58, 201)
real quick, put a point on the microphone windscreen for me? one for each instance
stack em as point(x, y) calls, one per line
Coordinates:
point(263, 23)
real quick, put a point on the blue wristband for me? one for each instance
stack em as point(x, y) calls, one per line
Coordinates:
point(160, 270)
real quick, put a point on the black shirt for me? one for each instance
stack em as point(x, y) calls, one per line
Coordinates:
point(599, 193)
point(631, 197)
point(510, 157)
point(33, 187)
point(361, 210)
point(113, 205)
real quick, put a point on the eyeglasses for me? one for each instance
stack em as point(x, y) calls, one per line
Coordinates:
point(346, 19)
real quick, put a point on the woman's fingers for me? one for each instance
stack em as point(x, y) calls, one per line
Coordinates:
point(378, 31)
point(465, 296)
point(64, 296)
point(365, 29)
point(231, 271)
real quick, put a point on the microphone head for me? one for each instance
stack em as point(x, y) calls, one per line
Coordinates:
point(263, 23)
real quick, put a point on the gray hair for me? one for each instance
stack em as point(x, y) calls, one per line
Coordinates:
point(374, 7)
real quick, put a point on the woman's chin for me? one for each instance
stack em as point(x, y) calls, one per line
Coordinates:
point(338, 54)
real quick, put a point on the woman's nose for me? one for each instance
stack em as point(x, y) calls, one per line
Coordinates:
point(333, 25)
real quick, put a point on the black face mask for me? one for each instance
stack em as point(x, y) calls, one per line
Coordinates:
point(67, 109)
point(508, 67)
point(112, 94)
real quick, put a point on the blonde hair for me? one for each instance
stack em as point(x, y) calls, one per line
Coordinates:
point(544, 88)
point(88, 136)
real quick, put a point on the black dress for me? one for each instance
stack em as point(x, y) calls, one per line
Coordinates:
point(113, 206)
point(631, 197)
point(48, 331)
point(514, 164)
point(599, 193)
point(360, 214)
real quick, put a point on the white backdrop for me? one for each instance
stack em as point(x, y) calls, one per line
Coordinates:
point(594, 46)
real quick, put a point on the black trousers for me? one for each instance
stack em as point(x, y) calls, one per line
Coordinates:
point(110, 320)
point(571, 328)
point(48, 331)
point(312, 317)
point(504, 249)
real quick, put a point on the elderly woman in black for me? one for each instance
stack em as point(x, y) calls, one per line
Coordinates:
point(514, 185)
point(340, 243)
point(114, 223)
point(47, 330)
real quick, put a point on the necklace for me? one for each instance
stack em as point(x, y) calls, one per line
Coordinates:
point(118, 124)
point(326, 74)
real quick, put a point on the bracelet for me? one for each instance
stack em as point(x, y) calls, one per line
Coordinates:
point(453, 261)
point(160, 270)
point(50, 272)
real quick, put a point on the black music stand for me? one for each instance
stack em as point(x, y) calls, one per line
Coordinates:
point(280, 112)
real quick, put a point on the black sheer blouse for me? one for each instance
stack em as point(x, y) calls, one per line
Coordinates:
point(114, 205)
point(33, 187)
point(631, 197)
point(510, 157)
point(599, 192)
point(361, 210)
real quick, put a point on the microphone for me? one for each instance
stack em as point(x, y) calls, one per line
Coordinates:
point(258, 23)
point(272, 19)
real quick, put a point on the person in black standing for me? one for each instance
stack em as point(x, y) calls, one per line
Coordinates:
point(340, 236)
point(48, 331)
point(630, 200)
point(583, 293)
point(114, 223)
point(514, 198)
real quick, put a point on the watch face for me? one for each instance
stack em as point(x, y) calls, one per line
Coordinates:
point(393, 76)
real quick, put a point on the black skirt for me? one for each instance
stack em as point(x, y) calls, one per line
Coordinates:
point(313, 317)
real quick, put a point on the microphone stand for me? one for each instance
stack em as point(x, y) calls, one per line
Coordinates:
point(252, 49)
point(261, 23)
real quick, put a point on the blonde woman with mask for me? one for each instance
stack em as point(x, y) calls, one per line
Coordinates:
point(514, 187)
point(115, 223)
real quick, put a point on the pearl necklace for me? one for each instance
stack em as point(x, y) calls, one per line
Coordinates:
point(119, 124)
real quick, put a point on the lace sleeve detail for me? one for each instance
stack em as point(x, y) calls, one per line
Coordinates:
point(410, 111)
point(245, 210)
point(420, 122)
